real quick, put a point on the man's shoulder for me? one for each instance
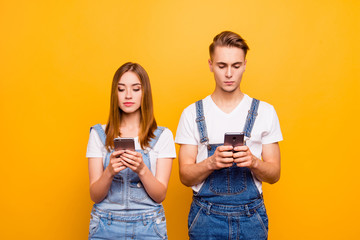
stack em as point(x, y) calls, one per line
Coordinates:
point(265, 108)
point(262, 104)
point(192, 107)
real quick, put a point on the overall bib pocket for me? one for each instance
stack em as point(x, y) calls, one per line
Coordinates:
point(137, 191)
point(228, 181)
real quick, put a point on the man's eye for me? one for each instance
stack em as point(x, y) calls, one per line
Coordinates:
point(221, 66)
point(236, 66)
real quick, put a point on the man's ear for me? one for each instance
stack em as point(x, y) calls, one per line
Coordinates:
point(245, 64)
point(210, 65)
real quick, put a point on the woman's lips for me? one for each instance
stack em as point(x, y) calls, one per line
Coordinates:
point(128, 104)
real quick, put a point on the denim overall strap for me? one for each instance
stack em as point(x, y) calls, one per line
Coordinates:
point(250, 119)
point(201, 124)
point(100, 132)
point(102, 136)
point(157, 134)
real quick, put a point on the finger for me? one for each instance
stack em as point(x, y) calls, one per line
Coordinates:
point(226, 160)
point(115, 160)
point(242, 159)
point(241, 148)
point(126, 155)
point(243, 164)
point(239, 160)
point(127, 160)
point(239, 154)
point(132, 157)
point(131, 152)
point(226, 154)
point(225, 148)
point(117, 165)
point(116, 154)
point(120, 168)
point(225, 164)
point(129, 165)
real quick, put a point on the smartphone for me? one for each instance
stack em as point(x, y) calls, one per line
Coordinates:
point(234, 139)
point(124, 144)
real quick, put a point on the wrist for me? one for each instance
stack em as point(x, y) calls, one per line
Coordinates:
point(255, 162)
point(108, 173)
point(209, 163)
point(142, 171)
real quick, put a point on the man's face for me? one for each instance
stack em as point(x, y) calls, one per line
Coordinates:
point(228, 65)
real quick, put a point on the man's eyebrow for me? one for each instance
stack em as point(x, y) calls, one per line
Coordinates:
point(222, 63)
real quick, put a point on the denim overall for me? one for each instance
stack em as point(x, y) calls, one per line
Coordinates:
point(228, 205)
point(128, 212)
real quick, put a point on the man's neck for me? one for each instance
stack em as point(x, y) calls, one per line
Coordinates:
point(227, 101)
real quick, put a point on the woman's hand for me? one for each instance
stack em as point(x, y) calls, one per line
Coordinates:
point(116, 165)
point(134, 161)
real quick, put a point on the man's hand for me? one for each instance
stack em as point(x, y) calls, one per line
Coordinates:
point(244, 158)
point(222, 158)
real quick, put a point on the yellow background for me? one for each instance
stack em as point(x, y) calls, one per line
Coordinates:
point(57, 62)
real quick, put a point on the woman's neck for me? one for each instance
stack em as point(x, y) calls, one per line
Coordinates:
point(130, 124)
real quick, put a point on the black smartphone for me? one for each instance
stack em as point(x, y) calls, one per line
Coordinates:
point(234, 139)
point(124, 144)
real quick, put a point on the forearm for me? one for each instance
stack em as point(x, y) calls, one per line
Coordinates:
point(100, 188)
point(155, 189)
point(266, 171)
point(195, 173)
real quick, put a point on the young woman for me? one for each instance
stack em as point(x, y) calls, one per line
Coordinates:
point(129, 186)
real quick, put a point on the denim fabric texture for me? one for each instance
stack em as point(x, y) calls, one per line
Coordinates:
point(228, 205)
point(128, 212)
point(216, 221)
point(138, 225)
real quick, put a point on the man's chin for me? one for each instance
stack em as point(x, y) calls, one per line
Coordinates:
point(229, 89)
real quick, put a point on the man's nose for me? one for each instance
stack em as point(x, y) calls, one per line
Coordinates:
point(228, 72)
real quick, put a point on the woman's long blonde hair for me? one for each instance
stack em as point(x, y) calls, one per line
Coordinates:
point(147, 120)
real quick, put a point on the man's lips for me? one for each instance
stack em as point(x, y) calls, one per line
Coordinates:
point(229, 82)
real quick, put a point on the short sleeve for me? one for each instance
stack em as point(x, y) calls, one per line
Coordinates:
point(273, 134)
point(95, 147)
point(165, 147)
point(185, 133)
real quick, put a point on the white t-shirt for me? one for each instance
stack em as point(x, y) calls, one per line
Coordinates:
point(164, 148)
point(266, 128)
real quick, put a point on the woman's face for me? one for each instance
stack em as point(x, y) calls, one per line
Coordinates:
point(129, 92)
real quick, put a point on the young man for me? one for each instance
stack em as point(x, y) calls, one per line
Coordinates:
point(226, 181)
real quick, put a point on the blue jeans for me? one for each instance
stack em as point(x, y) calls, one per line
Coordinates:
point(138, 225)
point(214, 221)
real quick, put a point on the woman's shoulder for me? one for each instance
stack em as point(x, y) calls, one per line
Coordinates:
point(164, 131)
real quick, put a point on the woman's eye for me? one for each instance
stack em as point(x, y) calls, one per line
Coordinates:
point(121, 90)
point(137, 89)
